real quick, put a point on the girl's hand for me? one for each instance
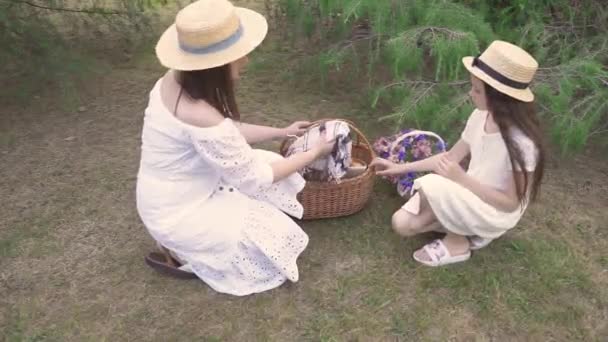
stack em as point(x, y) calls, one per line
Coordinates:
point(297, 128)
point(385, 167)
point(447, 168)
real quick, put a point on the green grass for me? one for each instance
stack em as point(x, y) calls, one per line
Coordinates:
point(82, 245)
point(72, 246)
point(523, 275)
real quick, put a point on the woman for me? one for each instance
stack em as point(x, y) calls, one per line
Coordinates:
point(204, 194)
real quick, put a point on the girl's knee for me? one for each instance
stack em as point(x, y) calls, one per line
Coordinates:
point(402, 223)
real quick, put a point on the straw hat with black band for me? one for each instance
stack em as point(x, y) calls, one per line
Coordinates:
point(506, 68)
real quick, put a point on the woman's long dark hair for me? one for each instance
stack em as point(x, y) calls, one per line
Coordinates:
point(215, 86)
point(511, 113)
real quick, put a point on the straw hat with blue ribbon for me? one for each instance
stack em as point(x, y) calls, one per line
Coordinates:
point(506, 68)
point(210, 33)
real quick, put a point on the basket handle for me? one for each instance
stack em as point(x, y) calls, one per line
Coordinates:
point(417, 132)
point(360, 135)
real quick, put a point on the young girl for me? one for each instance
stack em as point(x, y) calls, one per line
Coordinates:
point(504, 139)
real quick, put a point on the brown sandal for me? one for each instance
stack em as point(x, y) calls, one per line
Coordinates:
point(163, 262)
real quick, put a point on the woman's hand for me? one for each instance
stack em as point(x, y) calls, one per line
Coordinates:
point(449, 169)
point(297, 128)
point(385, 167)
point(323, 147)
point(284, 167)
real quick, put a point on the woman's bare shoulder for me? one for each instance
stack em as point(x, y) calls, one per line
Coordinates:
point(194, 112)
point(198, 113)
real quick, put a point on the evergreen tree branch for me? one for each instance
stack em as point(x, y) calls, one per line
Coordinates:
point(458, 102)
point(63, 9)
point(450, 33)
point(547, 109)
point(561, 26)
point(419, 98)
point(598, 132)
point(603, 129)
point(415, 83)
point(345, 44)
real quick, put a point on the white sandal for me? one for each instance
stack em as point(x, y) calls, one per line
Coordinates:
point(440, 255)
point(478, 242)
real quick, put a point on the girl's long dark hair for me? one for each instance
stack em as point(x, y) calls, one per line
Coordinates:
point(215, 86)
point(511, 113)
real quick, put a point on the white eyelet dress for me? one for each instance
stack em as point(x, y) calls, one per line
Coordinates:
point(206, 195)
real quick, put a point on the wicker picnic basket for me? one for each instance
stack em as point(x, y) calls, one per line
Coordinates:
point(350, 195)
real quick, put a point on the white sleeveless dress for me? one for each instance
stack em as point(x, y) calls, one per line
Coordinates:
point(457, 208)
point(206, 195)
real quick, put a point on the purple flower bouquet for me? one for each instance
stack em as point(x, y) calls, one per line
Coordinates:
point(408, 146)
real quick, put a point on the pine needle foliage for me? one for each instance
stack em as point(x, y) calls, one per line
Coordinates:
point(46, 43)
point(409, 53)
